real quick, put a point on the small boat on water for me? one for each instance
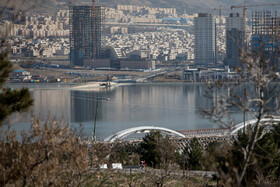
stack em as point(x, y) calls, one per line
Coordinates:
point(105, 84)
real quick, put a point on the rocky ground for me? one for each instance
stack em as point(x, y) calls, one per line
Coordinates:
point(96, 75)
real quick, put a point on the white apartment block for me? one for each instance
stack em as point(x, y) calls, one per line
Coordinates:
point(234, 21)
point(205, 39)
point(132, 8)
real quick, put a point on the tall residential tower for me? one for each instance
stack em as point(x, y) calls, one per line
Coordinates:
point(205, 39)
point(234, 39)
point(85, 33)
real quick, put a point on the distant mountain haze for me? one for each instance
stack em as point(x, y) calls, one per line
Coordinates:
point(187, 6)
point(190, 6)
point(28, 5)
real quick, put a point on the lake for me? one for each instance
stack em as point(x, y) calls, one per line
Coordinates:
point(171, 105)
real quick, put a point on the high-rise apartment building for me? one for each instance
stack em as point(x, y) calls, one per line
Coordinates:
point(85, 33)
point(234, 39)
point(205, 39)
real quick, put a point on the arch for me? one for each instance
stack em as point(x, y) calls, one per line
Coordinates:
point(239, 126)
point(142, 129)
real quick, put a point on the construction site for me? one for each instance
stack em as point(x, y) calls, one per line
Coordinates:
point(86, 25)
point(265, 28)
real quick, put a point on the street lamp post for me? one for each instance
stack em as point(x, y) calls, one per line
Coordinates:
point(245, 105)
point(95, 116)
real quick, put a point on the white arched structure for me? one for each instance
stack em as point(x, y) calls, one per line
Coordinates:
point(239, 126)
point(143, 129)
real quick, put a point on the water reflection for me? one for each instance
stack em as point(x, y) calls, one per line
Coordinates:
point(174, 106)
point(83, 106)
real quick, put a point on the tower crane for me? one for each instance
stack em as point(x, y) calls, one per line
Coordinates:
point(220, 16)
point(220, 12)
point(244, 8)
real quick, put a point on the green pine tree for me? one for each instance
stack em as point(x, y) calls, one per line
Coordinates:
point(264, 161)
point(276, 138)
point(148, 148)
point(212, 152)
point(194, 154)
point(157, 150)
point(11, 100)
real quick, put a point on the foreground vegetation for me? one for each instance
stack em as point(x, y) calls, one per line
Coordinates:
point(53, 154)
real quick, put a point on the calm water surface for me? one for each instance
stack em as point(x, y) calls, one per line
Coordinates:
point(171, 105)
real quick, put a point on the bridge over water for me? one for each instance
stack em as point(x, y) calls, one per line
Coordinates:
point(199, 133)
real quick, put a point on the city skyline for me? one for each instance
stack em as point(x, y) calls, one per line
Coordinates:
point(122, 35)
